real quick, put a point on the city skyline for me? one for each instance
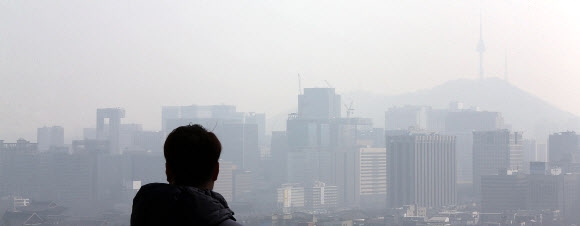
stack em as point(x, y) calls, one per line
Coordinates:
point(150, 65)
point(315, 113)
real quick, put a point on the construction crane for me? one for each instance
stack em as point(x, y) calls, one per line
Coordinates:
point(349, 110)
point(328, 84)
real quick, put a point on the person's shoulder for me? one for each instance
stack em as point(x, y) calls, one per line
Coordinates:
point(230, 222)
point(158, 188)
point(156, 192)
point(154, 204)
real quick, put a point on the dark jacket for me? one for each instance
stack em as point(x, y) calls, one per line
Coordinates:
point(166, 204)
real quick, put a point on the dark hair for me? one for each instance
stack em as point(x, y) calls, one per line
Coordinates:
point(191, 153)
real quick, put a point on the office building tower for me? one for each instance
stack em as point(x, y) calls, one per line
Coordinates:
point(346, 177)
point(260, 120)
point(240, 144)
point(225, 182)
point(210, 116)
point(113, 116)
point(50, 137)
point(461, 123)
point(76, 180)
point(127, 134)
point(146, 167)
point(371, 177)
point(321, 196)
point(351, 133)
point(319, 103)
point(529, 154)
point(290, 197)
point(18, 168)
point(239, 132)
point(407, 117)
point(307, 133)
point(360, 176)
point(494, 151)
point(555, 191)
point(90, 146)
point(421, 170)
point(436, 119)
point(539, 168)
point(277, 165)
point(243, 186)
point(149, 141)
point(542, 152)
point(507, 190)
point(307, 166)
point(470, 120)
point(563, 147)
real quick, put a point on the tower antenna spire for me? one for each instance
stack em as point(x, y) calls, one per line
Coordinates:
point(480, 44)
point(505, 72)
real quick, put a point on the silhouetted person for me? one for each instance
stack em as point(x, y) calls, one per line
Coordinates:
point(191, 165)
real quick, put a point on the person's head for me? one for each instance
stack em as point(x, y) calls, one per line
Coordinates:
point(191, 156)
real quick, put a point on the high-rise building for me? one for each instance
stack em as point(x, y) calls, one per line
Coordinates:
point(542, 190)
point(529, 153)
point(307, 133)
point(146, 167)
point(421, 170)
point(407, 117)
point(209, 116)
point(240, 144)
point(50, 137)
point(309, 165)
point(494, 151)
point(225, 182)
point(470, 120)
point(346, 177)
point(556, 192)
point(19, 168)
point(239, 132)
point(461, 123)
point(563, 147)
point(321, 196)
point(113, 116)
point(291, 197)
point(243, 185)
point(260, 120)
point(319, 103)
point(127, 134)
point(361, 177)
point(507, 190)
point(371, 177)
point(351, 133)
point(149, 141)
point(277, 164)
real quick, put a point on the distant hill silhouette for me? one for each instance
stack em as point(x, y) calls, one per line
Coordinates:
point(522, 110)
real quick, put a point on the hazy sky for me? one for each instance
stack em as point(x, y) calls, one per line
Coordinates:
point(60, 60)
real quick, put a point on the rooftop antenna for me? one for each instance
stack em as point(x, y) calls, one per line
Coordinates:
point(299, 84)
point(480, 44)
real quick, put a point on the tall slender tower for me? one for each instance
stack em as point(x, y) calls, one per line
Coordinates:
point(505, 73)
point(480, 47)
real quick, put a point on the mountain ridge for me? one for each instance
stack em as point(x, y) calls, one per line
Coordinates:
point(521, 109)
